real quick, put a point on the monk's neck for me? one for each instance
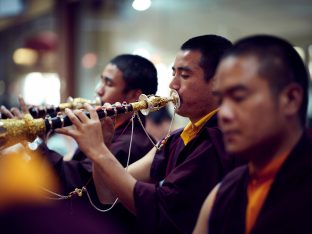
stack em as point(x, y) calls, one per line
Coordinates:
point(121, 119)
point(277, 149)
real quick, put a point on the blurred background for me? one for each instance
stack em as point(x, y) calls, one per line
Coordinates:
point(53, 49)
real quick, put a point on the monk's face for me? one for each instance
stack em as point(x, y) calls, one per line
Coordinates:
point(194, 91)
point(111, 86)
point(249, 114)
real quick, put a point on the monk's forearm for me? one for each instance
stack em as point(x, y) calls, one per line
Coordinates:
point(104, 194)
point(115, 178)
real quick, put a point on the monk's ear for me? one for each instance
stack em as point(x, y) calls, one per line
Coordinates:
point(291, 99)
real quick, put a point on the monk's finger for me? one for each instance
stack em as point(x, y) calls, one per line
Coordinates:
point(5, 113)
point(22, 105)
point(16, 113)
point(73, 118)
point(93, 114)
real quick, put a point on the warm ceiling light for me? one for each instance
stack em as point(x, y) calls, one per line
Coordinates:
point(89, 60)
point(24, 56)
point(141, 5)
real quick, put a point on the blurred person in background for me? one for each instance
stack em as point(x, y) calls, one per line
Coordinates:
point(158, 123)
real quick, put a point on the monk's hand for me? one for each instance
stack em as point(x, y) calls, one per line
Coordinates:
point(14, 112)
point(22, 105)
point(6, 113)
point(108, 124)
point(86, 131)
point(108, 130)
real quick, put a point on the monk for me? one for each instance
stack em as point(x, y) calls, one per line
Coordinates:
point(262, 86)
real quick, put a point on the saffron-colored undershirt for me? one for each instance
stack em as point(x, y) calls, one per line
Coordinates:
point(191, 130)
point(258, 187)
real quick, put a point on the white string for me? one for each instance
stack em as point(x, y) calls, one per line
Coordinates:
point(131, 138)
point(146, 131)
point(58, 196)
point(94, 206)
point(84, 189)
point(79, 192)
point(128, 160)
point(158, 145)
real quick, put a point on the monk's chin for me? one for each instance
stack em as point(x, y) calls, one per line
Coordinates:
point(244, 154)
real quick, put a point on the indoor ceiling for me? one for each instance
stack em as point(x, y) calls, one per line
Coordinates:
point(236, 18)
point(289, 18)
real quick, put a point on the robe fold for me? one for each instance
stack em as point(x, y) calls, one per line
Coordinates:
point(183, 177)
point(288, 205)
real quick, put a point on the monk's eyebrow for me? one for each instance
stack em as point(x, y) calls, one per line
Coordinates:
point(106, 78)
point(182, 68)
point(237, 88)
point(231, 90)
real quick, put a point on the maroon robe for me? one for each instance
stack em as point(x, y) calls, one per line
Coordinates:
point(183, 176)
point(287, 208)
point(76, 173)
point(38, 218)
